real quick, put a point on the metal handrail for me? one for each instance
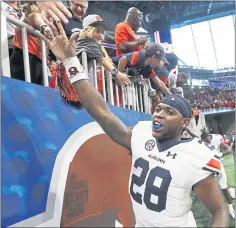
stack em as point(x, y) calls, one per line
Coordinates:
point(134, 97)
point(24, 29)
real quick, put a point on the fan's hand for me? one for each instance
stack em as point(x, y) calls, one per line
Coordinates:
point(122, 79)
point(61, 47)
point(55, 10)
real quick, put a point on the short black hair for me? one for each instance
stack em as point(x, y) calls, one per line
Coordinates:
point(183, 75)
point(204, 134)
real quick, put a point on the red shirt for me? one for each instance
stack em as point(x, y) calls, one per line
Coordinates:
point(124, 33)
point(34, 45)
point(229, 104)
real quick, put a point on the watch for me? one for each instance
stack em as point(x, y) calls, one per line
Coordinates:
point(114, 71)
point(42, 28)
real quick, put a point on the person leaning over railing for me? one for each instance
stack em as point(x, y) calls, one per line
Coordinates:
point(144, 62)
point(34, 19)
point(89, 41)
point(163, 74)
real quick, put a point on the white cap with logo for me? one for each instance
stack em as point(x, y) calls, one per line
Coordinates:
point(91, 20)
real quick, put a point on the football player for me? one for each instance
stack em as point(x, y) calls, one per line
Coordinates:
point(165, 170)
point(223, 149)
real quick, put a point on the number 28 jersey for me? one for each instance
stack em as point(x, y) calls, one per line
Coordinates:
point(161, 183)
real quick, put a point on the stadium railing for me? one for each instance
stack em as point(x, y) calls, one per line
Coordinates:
point(134, 97)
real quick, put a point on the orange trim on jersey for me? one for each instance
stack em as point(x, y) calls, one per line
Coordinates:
point(134, 58)
point(163, 78)
point(153, 74)
point(214, 164)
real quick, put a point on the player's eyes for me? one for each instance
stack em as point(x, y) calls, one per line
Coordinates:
point(170, 112)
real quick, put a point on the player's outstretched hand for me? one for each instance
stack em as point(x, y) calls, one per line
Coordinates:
point(61, 47)
point(55, 10)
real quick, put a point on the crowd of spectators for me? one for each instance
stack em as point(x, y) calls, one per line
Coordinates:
point(209, 98)
point(91, 34)
point(135, 53)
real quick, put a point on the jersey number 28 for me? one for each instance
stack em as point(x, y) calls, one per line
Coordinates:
point(150, 188)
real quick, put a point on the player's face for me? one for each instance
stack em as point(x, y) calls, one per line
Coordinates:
point(167, 122)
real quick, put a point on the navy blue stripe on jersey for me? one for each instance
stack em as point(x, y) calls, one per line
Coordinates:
point(163, 146)
point(214, 171)
point(217, 157)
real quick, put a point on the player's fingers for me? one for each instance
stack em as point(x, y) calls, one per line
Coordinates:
point(61, 29)
point(53, 15)
point(51, 33)
point(53, 28)
point(45, 39)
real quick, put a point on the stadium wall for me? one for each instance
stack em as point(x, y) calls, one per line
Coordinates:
point(221, 123)
point(58, 167)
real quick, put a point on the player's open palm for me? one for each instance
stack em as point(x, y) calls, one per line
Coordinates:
point(59, 43)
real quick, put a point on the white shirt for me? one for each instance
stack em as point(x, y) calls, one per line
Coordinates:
point(172, 80)
point(161, 182)
point(11, 11)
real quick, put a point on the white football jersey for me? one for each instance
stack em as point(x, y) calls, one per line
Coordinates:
point(161, 183)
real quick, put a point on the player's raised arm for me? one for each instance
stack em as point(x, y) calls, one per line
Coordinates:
point(92, 101)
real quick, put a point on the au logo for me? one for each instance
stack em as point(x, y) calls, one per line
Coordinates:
point(73, 71)
point(149, 145)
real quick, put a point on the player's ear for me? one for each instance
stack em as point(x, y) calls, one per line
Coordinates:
point(185, 122)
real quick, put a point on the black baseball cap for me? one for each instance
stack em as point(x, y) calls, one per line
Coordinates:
point(157, 50)
point(172, 59)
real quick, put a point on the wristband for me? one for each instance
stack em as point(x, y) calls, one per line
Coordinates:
point(74, 69)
